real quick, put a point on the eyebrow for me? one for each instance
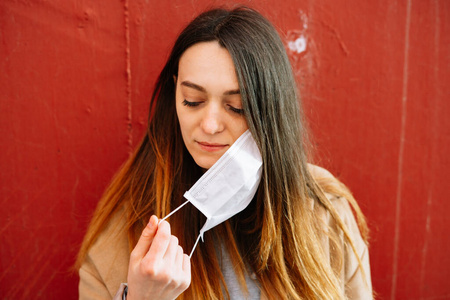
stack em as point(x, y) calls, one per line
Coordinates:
point(203, 90)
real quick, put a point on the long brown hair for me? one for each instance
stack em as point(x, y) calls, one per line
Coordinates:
point(278, 235)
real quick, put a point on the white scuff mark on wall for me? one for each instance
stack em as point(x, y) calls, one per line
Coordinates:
point(297, 40)
point(304, 19)
point(299, 45)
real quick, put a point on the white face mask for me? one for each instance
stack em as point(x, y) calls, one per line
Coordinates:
point(228, 186)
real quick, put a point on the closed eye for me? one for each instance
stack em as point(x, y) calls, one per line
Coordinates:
point(239, 111)
point(190, 103)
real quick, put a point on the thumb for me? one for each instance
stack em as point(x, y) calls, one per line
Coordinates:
point(146, 239)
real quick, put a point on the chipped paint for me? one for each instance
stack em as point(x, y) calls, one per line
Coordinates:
point(299, 45)
point(297, 38)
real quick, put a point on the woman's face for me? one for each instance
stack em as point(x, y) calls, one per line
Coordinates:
point(208, 102)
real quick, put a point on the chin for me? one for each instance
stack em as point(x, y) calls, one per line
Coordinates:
point(205, 163)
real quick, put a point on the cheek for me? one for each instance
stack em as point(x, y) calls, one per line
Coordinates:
point(179, 108)
point(184, 121)
point(241, 126)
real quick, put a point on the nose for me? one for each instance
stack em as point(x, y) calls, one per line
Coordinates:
point(212, 122)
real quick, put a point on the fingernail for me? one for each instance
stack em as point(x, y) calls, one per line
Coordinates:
point(151, 222)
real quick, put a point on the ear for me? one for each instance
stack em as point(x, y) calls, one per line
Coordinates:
point(175, 79)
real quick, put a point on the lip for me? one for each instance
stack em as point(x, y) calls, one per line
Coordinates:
point(211, 147)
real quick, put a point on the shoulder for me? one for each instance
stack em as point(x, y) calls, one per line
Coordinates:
point(318, 172)
point(335, 191)
point(337, 194)
point(326, 180)
point(106, 264)
point(355, 278)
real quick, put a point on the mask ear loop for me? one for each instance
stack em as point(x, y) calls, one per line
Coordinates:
point(174, 211)
point(195, 245)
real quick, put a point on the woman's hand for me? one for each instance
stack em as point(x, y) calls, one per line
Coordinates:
point(158, 267)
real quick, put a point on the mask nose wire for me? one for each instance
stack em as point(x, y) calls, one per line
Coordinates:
point(174, 211)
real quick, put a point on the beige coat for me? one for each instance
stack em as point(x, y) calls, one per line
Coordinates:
point(106, 265)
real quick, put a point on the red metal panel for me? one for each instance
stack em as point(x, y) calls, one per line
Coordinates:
point(352, 93)
point(76, 78)
point(423, 264)
point(63, 133)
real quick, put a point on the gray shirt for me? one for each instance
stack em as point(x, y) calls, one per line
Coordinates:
point(232, 282)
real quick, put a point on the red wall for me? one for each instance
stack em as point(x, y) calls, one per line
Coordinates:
point(75, 81)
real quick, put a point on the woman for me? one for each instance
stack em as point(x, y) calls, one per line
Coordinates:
point(228, 72)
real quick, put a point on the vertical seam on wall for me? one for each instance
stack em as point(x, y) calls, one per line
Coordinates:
point(401, 152)
point(128, 75)
point(434, 160)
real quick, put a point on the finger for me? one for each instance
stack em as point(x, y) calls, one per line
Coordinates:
point(186, 272)
point(160, 243)
point(146, 238)
point(187, 265)
point(172, 249)
point(179, 259)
